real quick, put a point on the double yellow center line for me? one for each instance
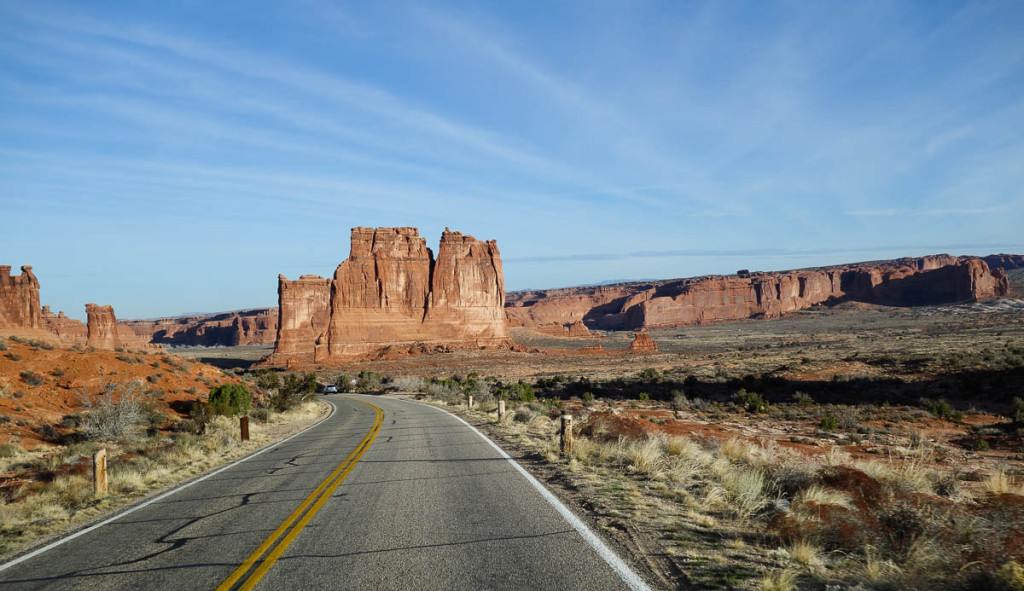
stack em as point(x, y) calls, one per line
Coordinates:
point(279, 540)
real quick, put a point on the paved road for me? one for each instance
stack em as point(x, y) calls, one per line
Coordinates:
point(386, 495)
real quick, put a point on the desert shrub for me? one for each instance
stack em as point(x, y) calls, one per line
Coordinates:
point(72, 421)
point(113, 420)
point(10, 450)
point(752, 401)
point(343, 382)
point(406, 384)
point(1016, 413)
point(644, 396)
point(3, 344)
point(268, 379)
point(802, 399)
point(588, 399)
point(31, 378)
point(295, 389)
point(5, 419)
point(679, 401)
point(17, 339)
point(523, 415)
point(516, 392)
point(44, 345)
point(650, 374)
point(230, 400)
point(829, 422)
point(445, 390)
point(261, 414)
point(941, 409)
point(13, 357)
point(368, 381)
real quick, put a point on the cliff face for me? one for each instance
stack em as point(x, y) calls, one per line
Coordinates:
point(19, 299)
point(391, 291)
point(304, 314)
point(229, 329)
point(102, 327)
point(69, 330)
point(650, 306)
point(1007, 262)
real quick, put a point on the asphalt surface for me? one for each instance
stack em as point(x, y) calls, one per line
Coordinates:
point(429, 505)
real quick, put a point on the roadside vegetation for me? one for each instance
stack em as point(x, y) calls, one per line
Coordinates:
point(150, 447)
point(843, 496)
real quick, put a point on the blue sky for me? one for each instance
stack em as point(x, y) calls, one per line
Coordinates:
point(170, 157)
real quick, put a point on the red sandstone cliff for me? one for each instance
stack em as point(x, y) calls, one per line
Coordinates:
point(1007, 262)
point(304, 310)
point(643, 343)
point(229, 329)
point(19, 300)
point(391, 291)
point(102, 327)
point(658, 305)
point(69, 330)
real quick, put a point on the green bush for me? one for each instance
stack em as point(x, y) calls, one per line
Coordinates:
point(644, 396)
point(516, 392)
point(1016, 413)
point(802, 399)
point(3, 344)
point(230, 400)
point(295, 389)
point(752, 401)
point(267, 379)
point(941, 409)
point(650, 374)
point(369, 381)
point(829, 422)
point(588, 399)
point(31, 378)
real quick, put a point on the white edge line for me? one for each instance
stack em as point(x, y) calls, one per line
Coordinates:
point(135, 508)
point(620, 567)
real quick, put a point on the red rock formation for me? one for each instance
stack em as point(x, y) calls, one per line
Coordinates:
point(19, 300)
point(668, 304)
point(304, 312)
point(391, 291)
point(102, 327)
point(1007, 262)
point(643, 343)
point(229, 329)
point(574, 329)
point(69, 330)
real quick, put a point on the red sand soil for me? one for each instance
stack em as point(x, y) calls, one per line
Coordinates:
point(68, 375)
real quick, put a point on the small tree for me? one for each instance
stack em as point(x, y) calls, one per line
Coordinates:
point(230, 400)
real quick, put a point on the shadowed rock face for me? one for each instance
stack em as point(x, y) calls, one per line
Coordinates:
point(102, 327)
point(1007, 262)
point(392, 291)
point(659, 305)
point(19, 299)
point(245, 327)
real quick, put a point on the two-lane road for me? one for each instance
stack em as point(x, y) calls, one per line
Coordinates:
point(384, 494)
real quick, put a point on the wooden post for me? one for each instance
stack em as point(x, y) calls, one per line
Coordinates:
point(470, 403)
point(565, 447)
point(243, 424)
point(501, 409)
point(99, 472)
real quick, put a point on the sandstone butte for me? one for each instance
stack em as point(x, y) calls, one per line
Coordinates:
point(19, 300)
point(391, 291)
point(668, 304)
point(643, 343)
point(102, 327)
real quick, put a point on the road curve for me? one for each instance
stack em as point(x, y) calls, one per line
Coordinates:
point(385, 494)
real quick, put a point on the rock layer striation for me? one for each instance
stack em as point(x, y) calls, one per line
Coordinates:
point(19, 299)
point(102, 327)
point(390, 292)
point(668, 304)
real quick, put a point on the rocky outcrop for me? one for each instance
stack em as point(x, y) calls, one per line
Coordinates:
point(228, 329)
point(1006, 262)
point(668, 304)
point(102, 327)
point(391, 293)
point(19, 300)
point(69, 330)
point(569, 330)
point(643, 343)
point(304, 312)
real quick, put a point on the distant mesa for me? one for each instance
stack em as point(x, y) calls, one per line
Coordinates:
point(656, 305)
point(393, 292)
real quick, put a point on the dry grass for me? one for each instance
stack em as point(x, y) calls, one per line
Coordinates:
point(137, 468)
